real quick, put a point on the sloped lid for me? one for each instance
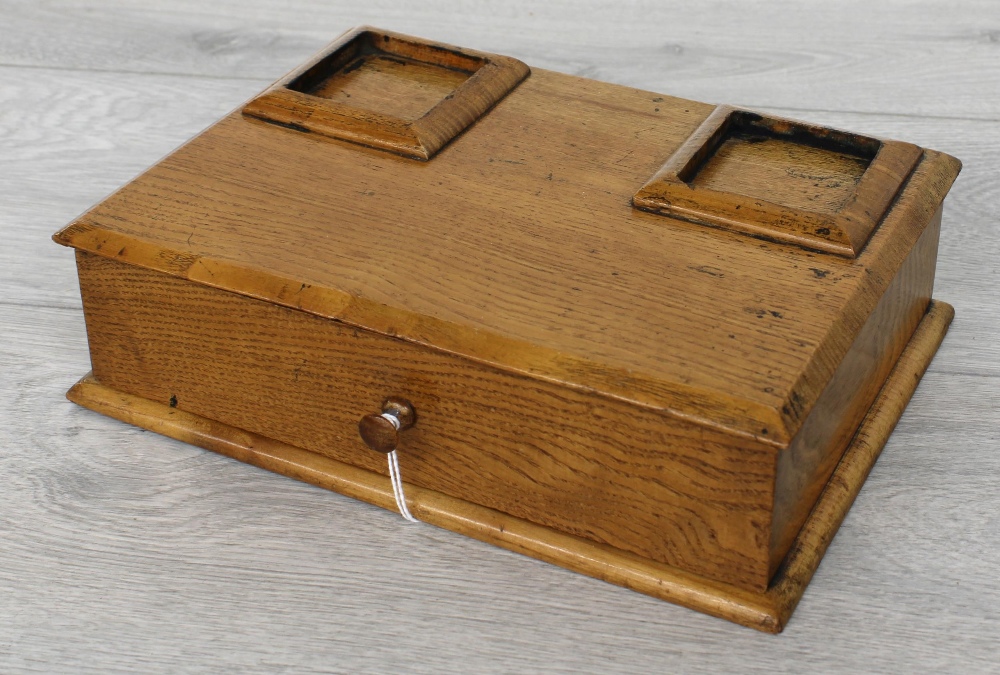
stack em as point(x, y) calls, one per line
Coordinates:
point(517, 245)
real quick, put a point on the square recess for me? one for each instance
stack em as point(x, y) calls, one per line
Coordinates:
point(389, 91)
point(782, 180)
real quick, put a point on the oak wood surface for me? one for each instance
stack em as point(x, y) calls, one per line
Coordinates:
point(803, 468)
point(783, 182)
point(766, 610)
point(668, 490)
point(672, 491)
point(234, 206)
point(377, 82)
point(124, 550)
point(728, 170)
point(433, 92)
point(517, 246)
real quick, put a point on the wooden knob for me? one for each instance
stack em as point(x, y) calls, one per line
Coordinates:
point(381, 432)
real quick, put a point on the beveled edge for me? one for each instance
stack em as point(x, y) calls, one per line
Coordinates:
point(419, 139)
point(768, 611)
point(924, 193)
point(844, 233)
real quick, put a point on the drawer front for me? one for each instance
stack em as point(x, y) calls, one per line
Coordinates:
point(630, 477)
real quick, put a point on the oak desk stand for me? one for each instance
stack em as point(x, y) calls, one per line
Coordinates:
point(652, 340)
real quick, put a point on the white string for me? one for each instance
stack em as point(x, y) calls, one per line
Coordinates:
point(392, 419)
point(397, 488)
point(396, 477)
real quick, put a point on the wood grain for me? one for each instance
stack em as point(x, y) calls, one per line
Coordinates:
point(766, 610)
point(378, 82)
point(124, 550)
point(431, 93)
point(803, 469)
point(83, 134)
point(671, 491)
point(718, 539)
point(780, 185)
point(163, 339)
point(728, 170)
point(730, 337)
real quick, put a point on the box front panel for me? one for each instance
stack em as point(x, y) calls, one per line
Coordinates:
point(633, 478)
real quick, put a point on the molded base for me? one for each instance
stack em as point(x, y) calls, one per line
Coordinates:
point(767, 611)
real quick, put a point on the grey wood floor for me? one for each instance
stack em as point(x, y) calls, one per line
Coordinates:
point(124, 551)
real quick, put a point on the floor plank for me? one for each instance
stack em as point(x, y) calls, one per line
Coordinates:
point(925, 58)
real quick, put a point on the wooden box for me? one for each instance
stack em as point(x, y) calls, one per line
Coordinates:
point(652, 340)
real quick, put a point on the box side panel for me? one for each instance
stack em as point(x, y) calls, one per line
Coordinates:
point(614, 473)
point(806, 465)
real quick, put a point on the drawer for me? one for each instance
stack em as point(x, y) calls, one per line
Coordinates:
point(638, 479)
